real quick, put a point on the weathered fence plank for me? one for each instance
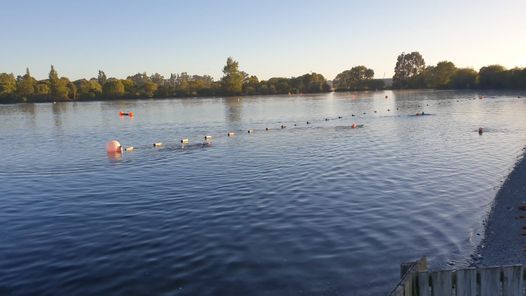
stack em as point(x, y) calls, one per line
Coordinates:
point(490, 281)
point(399, 291)
point(408, 285)
point(512, 280)
point(423, 283)
point(441, 283)
point(466, 284)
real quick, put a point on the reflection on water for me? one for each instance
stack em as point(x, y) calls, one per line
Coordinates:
point(309, 209)
point(233, 109)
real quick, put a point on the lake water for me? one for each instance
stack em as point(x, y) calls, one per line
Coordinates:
point(318, 209)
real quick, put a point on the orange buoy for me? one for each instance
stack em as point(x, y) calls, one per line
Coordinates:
point(130, 114)
point(113, 146)
point(354, 125)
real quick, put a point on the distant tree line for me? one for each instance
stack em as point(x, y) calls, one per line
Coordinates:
point(411, 72)
point(25, 88)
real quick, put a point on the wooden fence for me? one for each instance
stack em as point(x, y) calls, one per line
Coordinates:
point(488, 281)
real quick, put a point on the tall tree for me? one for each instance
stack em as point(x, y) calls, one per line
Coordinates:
point(232, 80)
point(101, 78)
point(25, 86)
point(59, 87)
point(407, 66)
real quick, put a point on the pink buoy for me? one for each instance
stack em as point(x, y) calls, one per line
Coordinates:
point(113, 147)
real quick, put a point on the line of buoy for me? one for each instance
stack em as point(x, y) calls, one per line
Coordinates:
point(115, 147)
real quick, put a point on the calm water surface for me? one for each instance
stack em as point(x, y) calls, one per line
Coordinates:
point(318, 209)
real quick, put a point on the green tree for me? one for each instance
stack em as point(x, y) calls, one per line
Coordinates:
point(72, 88)
point(157, 79)
point(354, 79)
point(232, 80)
point(516, 78)
point(88, 89)
point(492, 77)
point(59, 87)
point(42, 90)
point(113, 89)
point(7, 88)
point(25, 86)
point(464, 78)
point(440, 75)
point(407, 67)
point(148, 89)
point(250, 85)
point(130, 88)
point(101, 78)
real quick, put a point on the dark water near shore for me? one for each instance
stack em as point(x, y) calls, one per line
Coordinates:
point(319, 209)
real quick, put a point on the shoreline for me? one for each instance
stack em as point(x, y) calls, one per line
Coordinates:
point(504, 241)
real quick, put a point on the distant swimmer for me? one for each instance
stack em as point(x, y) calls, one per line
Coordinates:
point(481, 131)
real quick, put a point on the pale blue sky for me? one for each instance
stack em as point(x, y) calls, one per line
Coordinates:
point(268, 38)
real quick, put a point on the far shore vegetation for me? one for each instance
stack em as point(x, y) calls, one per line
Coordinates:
point(411, 72)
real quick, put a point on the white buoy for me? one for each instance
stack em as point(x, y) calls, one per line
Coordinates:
point(231, 134)
point(185, 141)
point(208, 138)
point(250, 131)
point(158, 144)
point(128, 148)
